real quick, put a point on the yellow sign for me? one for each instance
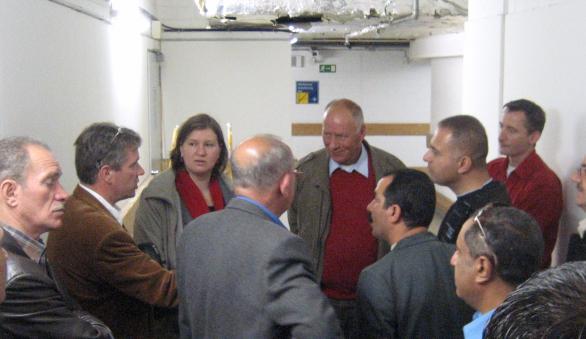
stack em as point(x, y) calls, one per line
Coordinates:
point(302, 98)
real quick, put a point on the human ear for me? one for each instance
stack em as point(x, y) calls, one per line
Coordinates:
point(534, 137)
point(483, 269)
point(464, 164)
point(9, 191)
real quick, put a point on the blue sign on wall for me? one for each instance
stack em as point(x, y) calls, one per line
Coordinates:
point(307, 92)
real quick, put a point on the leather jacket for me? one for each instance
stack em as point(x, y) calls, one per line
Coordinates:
point(36, 306)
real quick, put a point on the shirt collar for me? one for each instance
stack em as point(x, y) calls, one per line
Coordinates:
point(582, 228)
point(274, 218)
point(475, 328)
point(526, 167)
point(478, 189)
point(33, 248)
point(114, 210)
point(360, 166)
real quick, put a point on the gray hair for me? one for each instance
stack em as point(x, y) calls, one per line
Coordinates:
point(101, 144)
point(270, 166)
point(14, 157)
point(350, 105)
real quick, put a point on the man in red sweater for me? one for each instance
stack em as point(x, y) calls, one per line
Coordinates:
point(532, 185)
point(329, 210)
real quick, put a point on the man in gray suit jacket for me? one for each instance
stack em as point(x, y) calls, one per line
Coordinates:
point(241, 273)
point(410, 292)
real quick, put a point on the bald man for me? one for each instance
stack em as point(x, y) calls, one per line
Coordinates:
point(329, 211)
point(241, 273)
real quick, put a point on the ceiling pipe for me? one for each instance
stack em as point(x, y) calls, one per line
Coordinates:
point(377, 28)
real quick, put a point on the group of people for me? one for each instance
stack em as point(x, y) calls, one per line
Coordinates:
point(210, 256)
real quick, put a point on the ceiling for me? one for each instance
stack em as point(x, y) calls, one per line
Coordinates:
point(335, 22)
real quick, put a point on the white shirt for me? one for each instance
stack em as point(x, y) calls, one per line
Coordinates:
point(360, 166)
point(582, 228)
point(114, 210)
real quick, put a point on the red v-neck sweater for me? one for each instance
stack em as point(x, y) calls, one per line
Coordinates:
point(350, 246)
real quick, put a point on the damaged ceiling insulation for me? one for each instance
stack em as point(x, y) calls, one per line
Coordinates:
point(340, 21)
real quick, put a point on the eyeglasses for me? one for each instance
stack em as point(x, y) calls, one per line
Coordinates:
point(298, 173)
point(477, 220)
point(489, 253)
point(119, 131)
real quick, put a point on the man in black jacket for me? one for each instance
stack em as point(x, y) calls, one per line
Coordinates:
point(456, 158)
point(31, 203)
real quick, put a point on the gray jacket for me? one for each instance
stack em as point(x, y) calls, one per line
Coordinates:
point(310, 213)
point(159, 218)
point(240, 275)
point(410, 293)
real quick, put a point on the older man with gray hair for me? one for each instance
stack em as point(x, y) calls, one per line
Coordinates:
point(241, 273)
point(31, 203)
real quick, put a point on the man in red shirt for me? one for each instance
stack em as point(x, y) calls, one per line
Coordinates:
point(532, 185)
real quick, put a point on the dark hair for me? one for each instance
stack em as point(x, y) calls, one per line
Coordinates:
point(534, 114)
point(552, 304)
point(14, 157)
point(199, 122)
point(414, 192)
point(512, 240)
point(100, 144)
point(469, 136)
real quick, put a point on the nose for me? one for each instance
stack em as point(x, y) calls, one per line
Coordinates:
point(453, 259)
point(60, 194)
point(502, 135)
point(369, 206)
point(200, 149)
point(426, 156)
point(140, 170)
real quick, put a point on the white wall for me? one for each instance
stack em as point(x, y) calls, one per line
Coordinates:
point(241, 78)
point(542, 59)
point(385, 83)
point(251, 84)
point(61, 70)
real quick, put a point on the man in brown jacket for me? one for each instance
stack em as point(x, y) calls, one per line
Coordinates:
point(93, 254)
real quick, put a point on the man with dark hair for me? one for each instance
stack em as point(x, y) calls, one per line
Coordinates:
point(497, 249)
point(241, 273)
point(532, 185)
point(456, 158)
point(31, 203)
point(329, 211)
point(551, 304)
point(94, 255)
point(410, 292)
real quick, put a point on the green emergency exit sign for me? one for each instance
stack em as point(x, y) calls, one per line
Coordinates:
point(327, 68)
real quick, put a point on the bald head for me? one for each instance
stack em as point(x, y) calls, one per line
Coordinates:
point(258, 163)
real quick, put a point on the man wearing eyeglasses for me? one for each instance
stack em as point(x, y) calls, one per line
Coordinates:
point(577, 246)
point(497, 249)
point(579, 177)
point(532, 185)
point(94, 255)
